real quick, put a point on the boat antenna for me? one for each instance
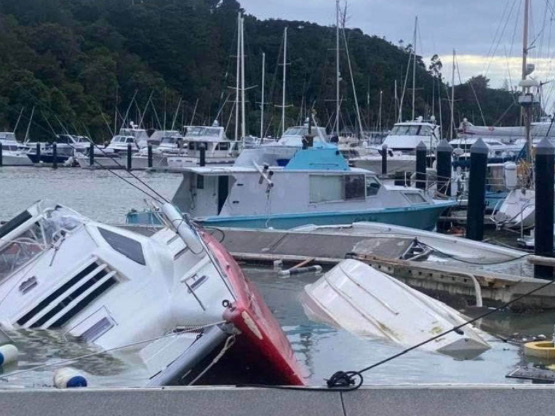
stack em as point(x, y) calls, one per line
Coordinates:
point(18, 119)
point(129, 107)
point(414, 67)
point(337, 69)
point(26, 139)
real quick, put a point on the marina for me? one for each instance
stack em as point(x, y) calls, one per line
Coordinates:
point(205, 210)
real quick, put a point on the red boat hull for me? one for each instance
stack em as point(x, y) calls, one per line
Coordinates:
point(260, 331)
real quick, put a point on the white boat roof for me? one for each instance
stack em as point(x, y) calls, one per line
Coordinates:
point(230, 170)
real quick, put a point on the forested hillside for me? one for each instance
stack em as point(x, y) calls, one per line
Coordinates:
point(77, 61)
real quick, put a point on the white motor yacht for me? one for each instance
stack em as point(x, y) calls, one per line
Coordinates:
point(176, 298)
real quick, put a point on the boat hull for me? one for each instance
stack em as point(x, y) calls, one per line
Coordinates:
point(261, 333)
point(22, 160)
point(421, 217)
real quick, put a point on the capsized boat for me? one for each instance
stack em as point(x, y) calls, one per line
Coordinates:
point(366, 302)
point(176, 296)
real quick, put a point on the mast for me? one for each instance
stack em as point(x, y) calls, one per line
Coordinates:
point(337, 73)
point(359, 120)
point(525, 89)
point(380, 112)
point(262, 98)
point(452, 126)
point(525, 41)
point(238, 76)
point(243, 121)
point(396, 102)
point(284, 77)
point(414, 67)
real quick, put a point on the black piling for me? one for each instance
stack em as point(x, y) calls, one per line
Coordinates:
point(477, 191)
point(38, 152)
point(202, 160)
point(1, 156)
point(55, 155)
point(444, 163)
point(543, 235)
point(91, 155)
point(421, 154)
point(149, 155)
point(384, 159)
point(129, 160)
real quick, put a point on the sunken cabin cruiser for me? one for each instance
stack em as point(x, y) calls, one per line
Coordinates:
point(315, 186)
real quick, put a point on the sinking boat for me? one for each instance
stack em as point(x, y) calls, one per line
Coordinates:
point(176, 297)
point(369, 303)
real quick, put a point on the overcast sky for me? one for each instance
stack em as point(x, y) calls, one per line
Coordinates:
point(487, 34)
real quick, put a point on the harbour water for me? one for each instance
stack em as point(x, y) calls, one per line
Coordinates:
point(322, 350)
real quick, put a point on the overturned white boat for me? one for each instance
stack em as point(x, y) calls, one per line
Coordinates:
point(366, 302)
point(176, 298)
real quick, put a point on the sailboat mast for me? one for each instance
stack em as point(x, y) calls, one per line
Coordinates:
point(243, 121)
point(380, 112)
point(337, 73)
point(525, 89)
point(396, 102)
point(262, 98)
point(284, 77)
point(452, 126)
point(414, 67)
point(237, 77)
point(525, 41)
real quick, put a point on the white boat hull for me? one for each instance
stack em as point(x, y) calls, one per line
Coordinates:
point(366, 302)
point(518, 210)
point(16, 160)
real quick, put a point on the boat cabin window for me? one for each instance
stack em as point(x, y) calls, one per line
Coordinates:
point(196, 145)
point(372, 186)
point(13, 148)
point(222, 146)
point(326, 188)
point(425, 131)
point(130, 248)
point(415, 198)
point(129, 140)
point(168, 140)
point(354, 187)
point(200, 181)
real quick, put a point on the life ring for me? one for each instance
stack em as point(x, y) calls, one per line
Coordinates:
point(540, 349)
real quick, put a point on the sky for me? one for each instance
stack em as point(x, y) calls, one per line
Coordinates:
point(486, 34)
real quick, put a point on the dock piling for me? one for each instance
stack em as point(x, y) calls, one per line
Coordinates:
point(91, 154)
point(202, 160)
point(421, 156)
point(149, 155)
point(477, 191)
point(38, 152)
point(1, 157)
point(543, 236)
point(129, 160)
point(55, 155)
point(384, 159)
point(444, 152)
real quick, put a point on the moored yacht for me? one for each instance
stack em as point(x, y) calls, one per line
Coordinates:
point(176, 298)
point(14, 153)
point(316, 186)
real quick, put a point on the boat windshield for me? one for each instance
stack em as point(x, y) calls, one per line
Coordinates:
point(197, 131)
point(303, 131)
point(35, 239)
point(169, 140)
point(411, 130)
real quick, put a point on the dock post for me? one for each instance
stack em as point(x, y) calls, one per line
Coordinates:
point(543, 235)
point(55, 155)
point(384, 159)
point(149, 155)
point(38, 152)
point(421, 156)
point(1, 157)
point(91, 154)
point(129, 156)
point(444, 152)
point(202, 160)
point(477, 191)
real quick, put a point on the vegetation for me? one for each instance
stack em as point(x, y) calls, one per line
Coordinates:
point(81, 62)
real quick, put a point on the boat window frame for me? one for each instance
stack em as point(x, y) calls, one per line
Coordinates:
point(110, 238)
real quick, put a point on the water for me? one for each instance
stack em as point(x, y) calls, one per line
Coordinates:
point(321, 349)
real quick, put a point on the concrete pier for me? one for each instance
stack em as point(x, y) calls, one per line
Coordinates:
point(450, 400)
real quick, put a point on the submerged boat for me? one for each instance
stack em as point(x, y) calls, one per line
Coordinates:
point(369, 303)
point(176, 297)
point(316, 186)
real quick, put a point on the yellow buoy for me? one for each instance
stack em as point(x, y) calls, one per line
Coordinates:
point(540, 349)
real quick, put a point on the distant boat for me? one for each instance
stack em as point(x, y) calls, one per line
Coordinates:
point(176, 297)
point(369, 303)
point(14, 153)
